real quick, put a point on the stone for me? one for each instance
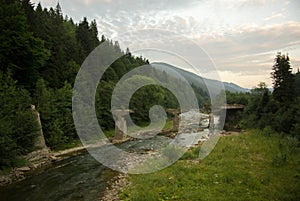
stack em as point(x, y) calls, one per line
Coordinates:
point(53, 158)
point(32, 166)
point(23, 169)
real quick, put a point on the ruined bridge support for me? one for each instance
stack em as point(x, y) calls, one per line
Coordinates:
point(176, 113)
point(40, 140)
point(121, 124)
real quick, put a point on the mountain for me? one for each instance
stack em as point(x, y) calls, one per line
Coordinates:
point(215, 86)
point(234, 87)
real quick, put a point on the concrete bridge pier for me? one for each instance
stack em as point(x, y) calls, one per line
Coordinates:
point(120, 124)
point(40, 140)
point(211, 123)
point(176, 113)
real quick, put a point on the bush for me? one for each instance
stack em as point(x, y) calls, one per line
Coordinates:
point(268, 131)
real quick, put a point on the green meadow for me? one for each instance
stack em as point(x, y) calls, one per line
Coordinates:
point(254, 165)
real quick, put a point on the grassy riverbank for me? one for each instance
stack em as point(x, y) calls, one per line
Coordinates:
point(248, 166)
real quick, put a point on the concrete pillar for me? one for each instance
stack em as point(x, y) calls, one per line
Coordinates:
point(120, 128)
point(211, 123)
point(120, 123)
point(176, 113)
point(40, 140)
point(175, 122)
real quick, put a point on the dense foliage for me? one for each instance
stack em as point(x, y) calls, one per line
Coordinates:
point(17, 127)
point(278, 111)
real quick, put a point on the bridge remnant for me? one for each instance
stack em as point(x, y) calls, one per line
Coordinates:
point(40, 140)
point(121, 124)
point(231, 121)
point(176, 113)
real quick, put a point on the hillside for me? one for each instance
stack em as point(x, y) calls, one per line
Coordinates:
point(199, 81)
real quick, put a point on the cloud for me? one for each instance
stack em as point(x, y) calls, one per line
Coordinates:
point(132, 5)
point(250, 51)
point(249, 80)
point(250, 3)
point(274, 16)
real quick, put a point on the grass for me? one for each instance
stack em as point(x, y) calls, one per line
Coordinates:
point(249, 166)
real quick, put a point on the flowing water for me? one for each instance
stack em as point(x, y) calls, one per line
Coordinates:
point(77, 178)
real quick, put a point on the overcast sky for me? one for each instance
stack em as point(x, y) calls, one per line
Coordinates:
point(240, 37)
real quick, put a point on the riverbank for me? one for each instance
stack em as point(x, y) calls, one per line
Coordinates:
point(115, 186)
point(42, 158)
point(35, 160)
point(246, 166)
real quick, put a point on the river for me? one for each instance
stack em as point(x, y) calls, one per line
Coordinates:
point(77, 178)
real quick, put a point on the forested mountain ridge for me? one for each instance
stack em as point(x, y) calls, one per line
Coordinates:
point(199, 81)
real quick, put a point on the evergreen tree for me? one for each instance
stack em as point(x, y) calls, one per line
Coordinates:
point(18, 128)
point(283, 79)
point(20, 52)
point(87, 36)
point(297, 83)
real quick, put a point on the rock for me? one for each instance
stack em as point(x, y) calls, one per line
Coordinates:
point(200, 129)
point(80, 182)
point(117, 185)
point(32, 166)
point(23, 169)
point(5, 180)
point(53, 158)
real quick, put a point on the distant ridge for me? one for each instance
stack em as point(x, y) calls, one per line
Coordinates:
point(199, 81)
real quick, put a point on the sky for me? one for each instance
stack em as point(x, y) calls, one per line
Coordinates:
point(235, 40)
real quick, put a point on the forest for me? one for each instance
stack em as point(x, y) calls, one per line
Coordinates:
point(41, 51)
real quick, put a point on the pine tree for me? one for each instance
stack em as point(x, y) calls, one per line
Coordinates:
point(20, 52)
point(17, 124)
point(283, 79)
point(87, 35)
